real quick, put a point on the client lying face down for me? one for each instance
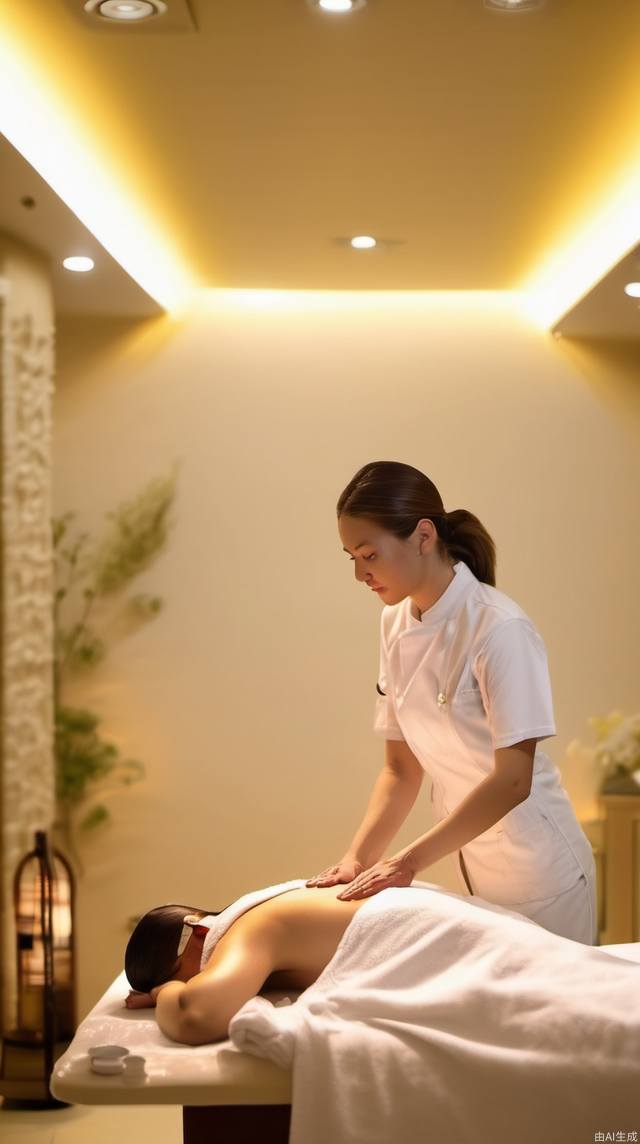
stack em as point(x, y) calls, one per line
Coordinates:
point(151, 958)
point(284, 942)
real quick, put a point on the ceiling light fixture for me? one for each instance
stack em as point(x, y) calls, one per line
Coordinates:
point(363, 242)
point(337, 5)
point(513, 5)
point(632, 289)
point(80, 263)
point(125, 9)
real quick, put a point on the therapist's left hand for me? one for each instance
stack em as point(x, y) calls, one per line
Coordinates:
point(388, 872)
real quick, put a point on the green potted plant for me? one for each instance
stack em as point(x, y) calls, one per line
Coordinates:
point(86, 763)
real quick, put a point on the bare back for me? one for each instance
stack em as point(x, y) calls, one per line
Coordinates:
point(301, 928)
point(283, 943)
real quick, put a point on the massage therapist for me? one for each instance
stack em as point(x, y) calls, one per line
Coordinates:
point(463, 694)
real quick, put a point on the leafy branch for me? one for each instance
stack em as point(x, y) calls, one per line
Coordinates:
point(84, 759)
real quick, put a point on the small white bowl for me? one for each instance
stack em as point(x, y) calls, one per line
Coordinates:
point(107, 1065)
point(108, 1052)
point(133, 1069)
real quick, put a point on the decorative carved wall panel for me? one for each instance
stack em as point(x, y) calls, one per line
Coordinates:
point(27, 771)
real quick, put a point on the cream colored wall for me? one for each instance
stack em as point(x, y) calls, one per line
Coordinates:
point(251, 697)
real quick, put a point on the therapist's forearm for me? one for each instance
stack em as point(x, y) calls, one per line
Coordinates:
point(485, 805)
point(391, 800)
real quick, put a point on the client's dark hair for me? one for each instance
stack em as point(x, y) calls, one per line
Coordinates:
point(150, 957)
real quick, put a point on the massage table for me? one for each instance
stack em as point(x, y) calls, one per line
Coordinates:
point(226, 1095)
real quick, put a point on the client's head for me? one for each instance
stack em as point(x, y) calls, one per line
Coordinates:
point(152, 956)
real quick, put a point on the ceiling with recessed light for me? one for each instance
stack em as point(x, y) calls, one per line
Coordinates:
point(258, 137)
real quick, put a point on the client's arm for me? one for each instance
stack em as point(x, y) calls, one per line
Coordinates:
point(198, 1011)
point(138, 1000)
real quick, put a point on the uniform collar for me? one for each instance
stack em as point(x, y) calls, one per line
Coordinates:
point(447, 602)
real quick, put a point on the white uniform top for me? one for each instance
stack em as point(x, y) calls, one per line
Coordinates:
point(469, 676)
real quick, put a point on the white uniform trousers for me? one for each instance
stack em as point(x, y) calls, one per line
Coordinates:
point(571, 914)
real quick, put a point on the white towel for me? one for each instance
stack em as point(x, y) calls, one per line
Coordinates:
point(446, 1018)
point(219, 923)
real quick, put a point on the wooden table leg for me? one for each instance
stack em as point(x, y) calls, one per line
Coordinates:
point(236, 1123)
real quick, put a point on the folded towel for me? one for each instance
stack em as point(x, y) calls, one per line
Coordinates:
point(217, 924)
point(256, 1032)
point(446, 1018)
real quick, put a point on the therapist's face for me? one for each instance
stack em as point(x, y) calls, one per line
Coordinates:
point(396, 568)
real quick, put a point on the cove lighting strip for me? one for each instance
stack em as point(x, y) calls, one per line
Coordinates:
point(574, 267)
point(56, 146)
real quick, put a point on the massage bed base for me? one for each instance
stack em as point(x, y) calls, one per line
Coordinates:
point(236, 1123)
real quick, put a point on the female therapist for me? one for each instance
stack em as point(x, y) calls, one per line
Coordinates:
point(463, 693)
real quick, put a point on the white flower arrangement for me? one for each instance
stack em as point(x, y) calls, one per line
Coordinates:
point(618, 743)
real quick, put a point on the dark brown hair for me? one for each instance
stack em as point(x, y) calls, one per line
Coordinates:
point(150, 957)
point(396, 496)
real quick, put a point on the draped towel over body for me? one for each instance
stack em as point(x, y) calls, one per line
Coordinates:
point(444, 1017)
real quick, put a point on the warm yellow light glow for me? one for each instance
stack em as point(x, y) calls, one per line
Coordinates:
point(56, 144)
point(308, 301)
point(595, 246)
point(57, 136)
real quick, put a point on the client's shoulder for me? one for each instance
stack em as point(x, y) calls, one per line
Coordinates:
point(259, 927)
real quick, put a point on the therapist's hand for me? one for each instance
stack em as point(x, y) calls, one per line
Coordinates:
point(345, 871)
point(388, 872)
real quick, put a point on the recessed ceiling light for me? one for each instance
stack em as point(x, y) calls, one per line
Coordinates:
point(125, 9)
point(632, 289)
point(337, 5)
point(78, 262)
point(513, 5)
point(363, 242)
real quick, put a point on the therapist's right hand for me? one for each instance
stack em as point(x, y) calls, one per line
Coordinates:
point(345, 871)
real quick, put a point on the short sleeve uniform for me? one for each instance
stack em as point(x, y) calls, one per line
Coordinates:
point(385, 722)
point(467, 677)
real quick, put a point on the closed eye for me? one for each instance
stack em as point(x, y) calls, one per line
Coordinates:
point(372, 557)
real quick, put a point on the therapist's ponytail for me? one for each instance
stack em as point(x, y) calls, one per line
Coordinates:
point(396, 496)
